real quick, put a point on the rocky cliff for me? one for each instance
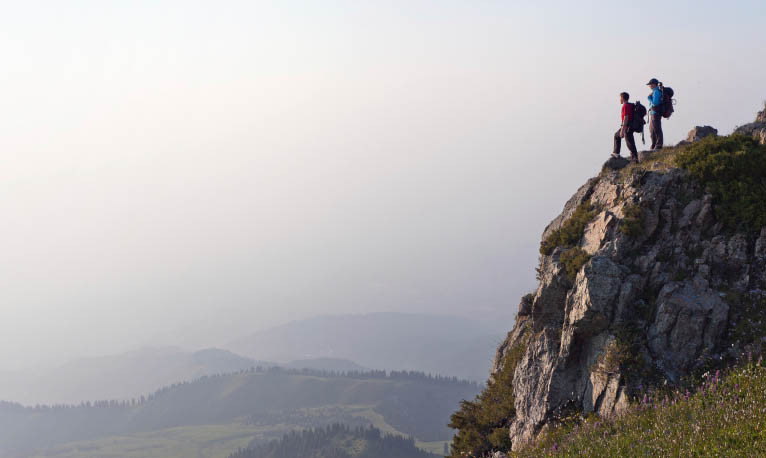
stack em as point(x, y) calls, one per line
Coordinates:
point(640, 283)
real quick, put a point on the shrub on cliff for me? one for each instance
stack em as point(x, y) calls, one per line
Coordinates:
point(482, 424)
point(632, 221)
point(571, 231)
point(733, 170)
point(573, 259)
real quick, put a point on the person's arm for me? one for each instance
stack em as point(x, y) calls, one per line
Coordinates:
point(624, 119)
point(656, 97)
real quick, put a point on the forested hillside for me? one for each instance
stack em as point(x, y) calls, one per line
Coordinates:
point(337, 441)
point(295, 399)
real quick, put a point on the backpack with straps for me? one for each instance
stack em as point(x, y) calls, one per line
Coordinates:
point(637, 121)
point(667, 101)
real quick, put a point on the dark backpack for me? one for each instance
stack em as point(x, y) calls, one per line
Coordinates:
point(667, 101)
point(637, 121)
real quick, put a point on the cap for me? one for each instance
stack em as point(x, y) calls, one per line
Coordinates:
point(653, 81)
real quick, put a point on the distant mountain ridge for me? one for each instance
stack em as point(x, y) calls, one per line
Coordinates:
point(121, 376)
point(326, 364)
point(439, 344)
point(444, 345)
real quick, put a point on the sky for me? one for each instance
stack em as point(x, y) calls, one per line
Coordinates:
point(186, 172)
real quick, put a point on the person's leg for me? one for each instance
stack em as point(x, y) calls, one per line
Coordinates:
point(660, 139)
point(653, 130)
point(617, 143)
point(631, 142)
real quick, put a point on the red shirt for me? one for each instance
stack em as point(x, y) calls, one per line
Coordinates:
point(627, 111)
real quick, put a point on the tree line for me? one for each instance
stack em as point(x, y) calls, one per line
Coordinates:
point(328, 442)
point(269, 370)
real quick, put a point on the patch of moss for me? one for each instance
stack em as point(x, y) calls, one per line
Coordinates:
point(573, 259)
point(570, 233)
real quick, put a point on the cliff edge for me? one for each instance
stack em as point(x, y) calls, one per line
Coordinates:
point(645, 277)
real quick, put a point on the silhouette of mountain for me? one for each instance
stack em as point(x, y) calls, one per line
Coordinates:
point(430, 343)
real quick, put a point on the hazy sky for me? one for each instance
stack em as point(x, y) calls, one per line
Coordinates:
point(185, 172)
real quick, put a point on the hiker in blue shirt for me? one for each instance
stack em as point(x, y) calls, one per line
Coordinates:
point(655, 113)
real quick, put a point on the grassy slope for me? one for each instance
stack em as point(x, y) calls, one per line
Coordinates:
point(208, 441)
point(726, 417)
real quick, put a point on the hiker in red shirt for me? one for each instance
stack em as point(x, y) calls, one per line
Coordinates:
point(626, 130)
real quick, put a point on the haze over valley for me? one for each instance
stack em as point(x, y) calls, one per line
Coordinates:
point(380, 229)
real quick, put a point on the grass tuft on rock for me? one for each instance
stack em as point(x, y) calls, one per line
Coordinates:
point(632, 223)
point(573, 259)
point(726, 416)
point(570, 233)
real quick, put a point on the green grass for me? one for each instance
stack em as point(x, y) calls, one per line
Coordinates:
point(208, 441)
point(663, 159)
point(733, 170)
point(204, 441)
point(726, 417)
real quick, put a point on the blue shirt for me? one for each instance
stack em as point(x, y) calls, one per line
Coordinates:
point(655, 99)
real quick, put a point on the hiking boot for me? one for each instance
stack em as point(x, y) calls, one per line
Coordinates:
point(615, 155)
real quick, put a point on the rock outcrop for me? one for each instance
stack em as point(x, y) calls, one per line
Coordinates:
point(757, 129)
point(648, 305)
point(700, 132)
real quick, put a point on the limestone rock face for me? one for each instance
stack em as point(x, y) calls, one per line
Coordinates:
point(655, 293)
point(690, 321)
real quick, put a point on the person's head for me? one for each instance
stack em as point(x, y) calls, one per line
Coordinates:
point(624, 97)
point(653, 83)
